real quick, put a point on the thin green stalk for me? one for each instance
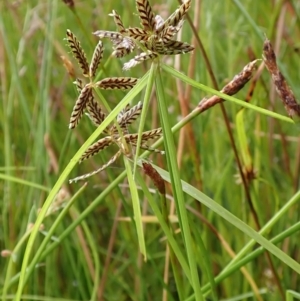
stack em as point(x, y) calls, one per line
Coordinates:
point(23, 182)
point(176, 184)
point(146, 102)
point(205, 259)
point(136, 208)
point(173, 258)
point(93, 245)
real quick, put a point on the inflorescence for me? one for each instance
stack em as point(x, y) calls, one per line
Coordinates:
point(156, 37)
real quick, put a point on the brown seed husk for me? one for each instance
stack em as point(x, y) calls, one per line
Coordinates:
point(284, 91)
point(78, 52)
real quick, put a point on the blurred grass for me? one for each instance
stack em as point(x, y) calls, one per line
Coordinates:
point(37, 97)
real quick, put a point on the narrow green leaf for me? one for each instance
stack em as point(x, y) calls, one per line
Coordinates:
point(176, 185)
point(144, 111)
point(136, 208)
point(256, 237)
point(244, 104)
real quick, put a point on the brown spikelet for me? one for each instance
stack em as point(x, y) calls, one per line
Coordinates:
point(284, 91)
point(78, 52)
point(176, 17)
point(79, 84)
point(108, 34)
point(152, 134)
point(138, 34)
point(95, 113)
point(155, 46)
point(96, 148)
point(168, 33)
point(68, 66)
point(235, 85)
point(120, 83)
point(79, 107)
point(146, 14)
point(96, 59)
point(123, 47)
point(139, 58)
point(239, 81)
point(118, 22)
point(112, 160)
point(178, 46)
point(158, 181)
point(130, 115)
point(123, 111)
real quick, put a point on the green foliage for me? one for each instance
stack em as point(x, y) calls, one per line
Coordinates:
point(231, 236)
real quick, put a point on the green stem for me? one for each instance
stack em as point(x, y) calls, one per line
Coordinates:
point(146, 102)
point(176, 184)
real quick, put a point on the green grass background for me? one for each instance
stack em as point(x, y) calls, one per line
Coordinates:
point(100, 258)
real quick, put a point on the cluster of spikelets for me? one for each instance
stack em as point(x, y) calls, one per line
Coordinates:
point(156, 37)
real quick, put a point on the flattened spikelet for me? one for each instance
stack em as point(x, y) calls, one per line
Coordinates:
point(124, 47)
point(112, 160)
point(138, 34)
point(96, 59)
point(123, 111)
point(79, 84)
point(118, 22)
point(168, 33)
point(95, 113)
point(121, 83)
point(130, 115)
point(176, 17)
point(79, 107)
point(78, 52)
point(177, 47)
point(96, 148)
point(139, 58)
point(108, 34)
point(152, 134)
point(146, 14)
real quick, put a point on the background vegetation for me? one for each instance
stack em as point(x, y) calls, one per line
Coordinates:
point(95, 255)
